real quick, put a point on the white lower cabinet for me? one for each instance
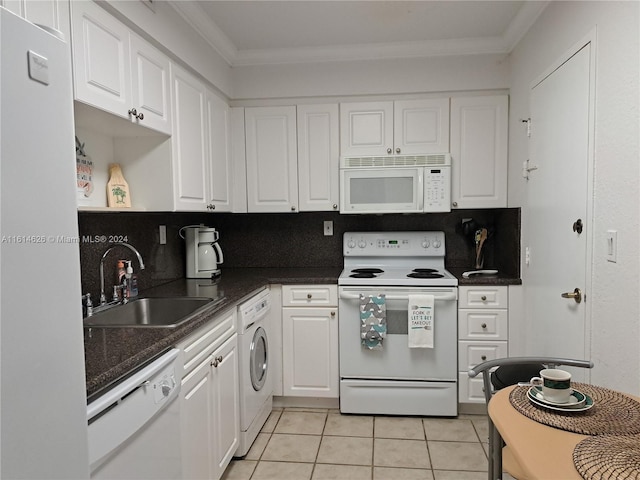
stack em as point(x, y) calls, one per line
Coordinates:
point(483, 319)
point(210, 403)
point(310, 341)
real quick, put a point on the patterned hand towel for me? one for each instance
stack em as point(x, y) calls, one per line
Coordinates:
point(373, 321)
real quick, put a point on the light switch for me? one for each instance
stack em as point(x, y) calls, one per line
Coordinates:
point(612, 246)
point(328, 228)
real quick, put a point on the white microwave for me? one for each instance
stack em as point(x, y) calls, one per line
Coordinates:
point(395, 184)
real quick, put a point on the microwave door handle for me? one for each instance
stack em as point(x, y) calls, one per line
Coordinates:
point(420, 190)
point(445, 297)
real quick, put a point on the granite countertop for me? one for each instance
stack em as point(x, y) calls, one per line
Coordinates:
point(501, 278)
point(111, 353)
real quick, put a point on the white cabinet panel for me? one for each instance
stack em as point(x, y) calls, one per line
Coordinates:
point(318, 157)
point(100, 59)
point(479, 128)
point(366, 128)
point(310, 352)
point(421, 126)
point(220, 167)
point(483, 297)
point(309, 295)
point(272, 170)
point(188, 141)
point(472, 353)
point(150, 72)
point(226, 405)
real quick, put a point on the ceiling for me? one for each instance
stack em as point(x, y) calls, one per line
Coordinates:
point(272, 32)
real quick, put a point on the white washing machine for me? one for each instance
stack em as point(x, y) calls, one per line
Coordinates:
point(256, 383)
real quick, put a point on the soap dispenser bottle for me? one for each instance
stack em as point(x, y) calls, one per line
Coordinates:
point(132, 281)
point(121, 278)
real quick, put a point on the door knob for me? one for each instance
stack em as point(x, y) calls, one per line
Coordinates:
point(576, 295)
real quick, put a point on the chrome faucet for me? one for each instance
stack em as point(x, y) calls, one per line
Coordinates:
point(103, 298)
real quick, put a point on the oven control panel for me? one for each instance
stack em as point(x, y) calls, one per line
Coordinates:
point(394, 244)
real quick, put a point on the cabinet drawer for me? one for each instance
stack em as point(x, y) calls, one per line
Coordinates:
point(470, 390)
point(201, 343)
point(309, 295)
point(483, 324)
point(472, 353)
point(483, 297)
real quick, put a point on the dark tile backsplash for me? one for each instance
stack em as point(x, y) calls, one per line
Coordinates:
point(278, 240)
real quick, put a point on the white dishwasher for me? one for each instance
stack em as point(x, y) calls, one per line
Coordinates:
point(134, 428)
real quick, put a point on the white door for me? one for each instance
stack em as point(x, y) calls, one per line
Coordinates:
point(226, 405)
point(310, 352)
point(558, 197)
point(479, 129)
point(421, 126)
point(188, 141)
point(366, 129)
point(220, 173)
point(150, 86)
point(272, 159)
point(101, 67)
point(318, 157)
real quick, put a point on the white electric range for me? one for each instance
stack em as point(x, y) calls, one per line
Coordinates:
point(392, 378)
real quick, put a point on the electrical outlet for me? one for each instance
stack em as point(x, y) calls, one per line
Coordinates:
point(163, 234)
point(328, 228)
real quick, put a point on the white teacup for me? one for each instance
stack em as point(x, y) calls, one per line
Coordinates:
point(556, 384)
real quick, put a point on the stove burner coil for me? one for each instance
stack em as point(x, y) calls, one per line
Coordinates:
point(425, 270)
point(367, 270)
point(425, 275)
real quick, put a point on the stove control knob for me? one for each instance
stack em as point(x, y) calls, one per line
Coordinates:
point(362, 244)
point(437, 244)
point(351, 244)
point(425, 243)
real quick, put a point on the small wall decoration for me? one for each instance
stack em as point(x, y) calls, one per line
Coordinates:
point(84, 172)
point(118, 195)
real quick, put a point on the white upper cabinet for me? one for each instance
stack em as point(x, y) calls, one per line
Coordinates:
point(48, 13)
point(421, 126)
point(318, 157)
point(479, 128)
point(101, 66)
point(272, 164)
point(116, 71)
point(219, 153)
point(150, 86)
point(406, 127)
point(366, 128)
point(189, 141)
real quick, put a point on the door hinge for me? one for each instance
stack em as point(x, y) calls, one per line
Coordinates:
point(528, 122)
point(526, 168)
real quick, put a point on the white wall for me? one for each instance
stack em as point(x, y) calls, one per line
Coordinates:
point(615, 308)
point(372, 77)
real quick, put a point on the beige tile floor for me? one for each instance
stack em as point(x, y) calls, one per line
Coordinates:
point(317, 444)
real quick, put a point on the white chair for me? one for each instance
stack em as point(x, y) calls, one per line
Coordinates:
point(495, 440)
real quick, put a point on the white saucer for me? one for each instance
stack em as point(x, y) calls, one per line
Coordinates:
point(579, 402)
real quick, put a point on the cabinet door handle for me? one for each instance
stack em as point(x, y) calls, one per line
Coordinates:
point(484, 325)
point(483, 298)
point(398, 150)
point(333, 314)
point(217, 361)
point(455, 204)
point(483, 357)
point(389, 150)
point(309, 296)
point(335, 206)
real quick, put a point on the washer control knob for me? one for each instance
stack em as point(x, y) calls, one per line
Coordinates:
point(166, 388)
point(425, 243)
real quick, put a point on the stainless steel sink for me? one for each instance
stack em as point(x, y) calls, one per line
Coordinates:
point(165, 312)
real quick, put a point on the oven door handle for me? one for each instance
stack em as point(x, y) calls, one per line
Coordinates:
point(447, 297)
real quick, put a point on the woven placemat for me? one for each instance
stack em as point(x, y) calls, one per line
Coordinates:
point(608, 457)
point(612, 412)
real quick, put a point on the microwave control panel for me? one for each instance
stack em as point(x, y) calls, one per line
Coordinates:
point(437, 189)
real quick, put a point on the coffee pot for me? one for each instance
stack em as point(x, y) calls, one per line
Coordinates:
point(203, 252)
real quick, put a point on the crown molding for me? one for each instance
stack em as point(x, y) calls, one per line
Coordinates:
point(195, 16)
